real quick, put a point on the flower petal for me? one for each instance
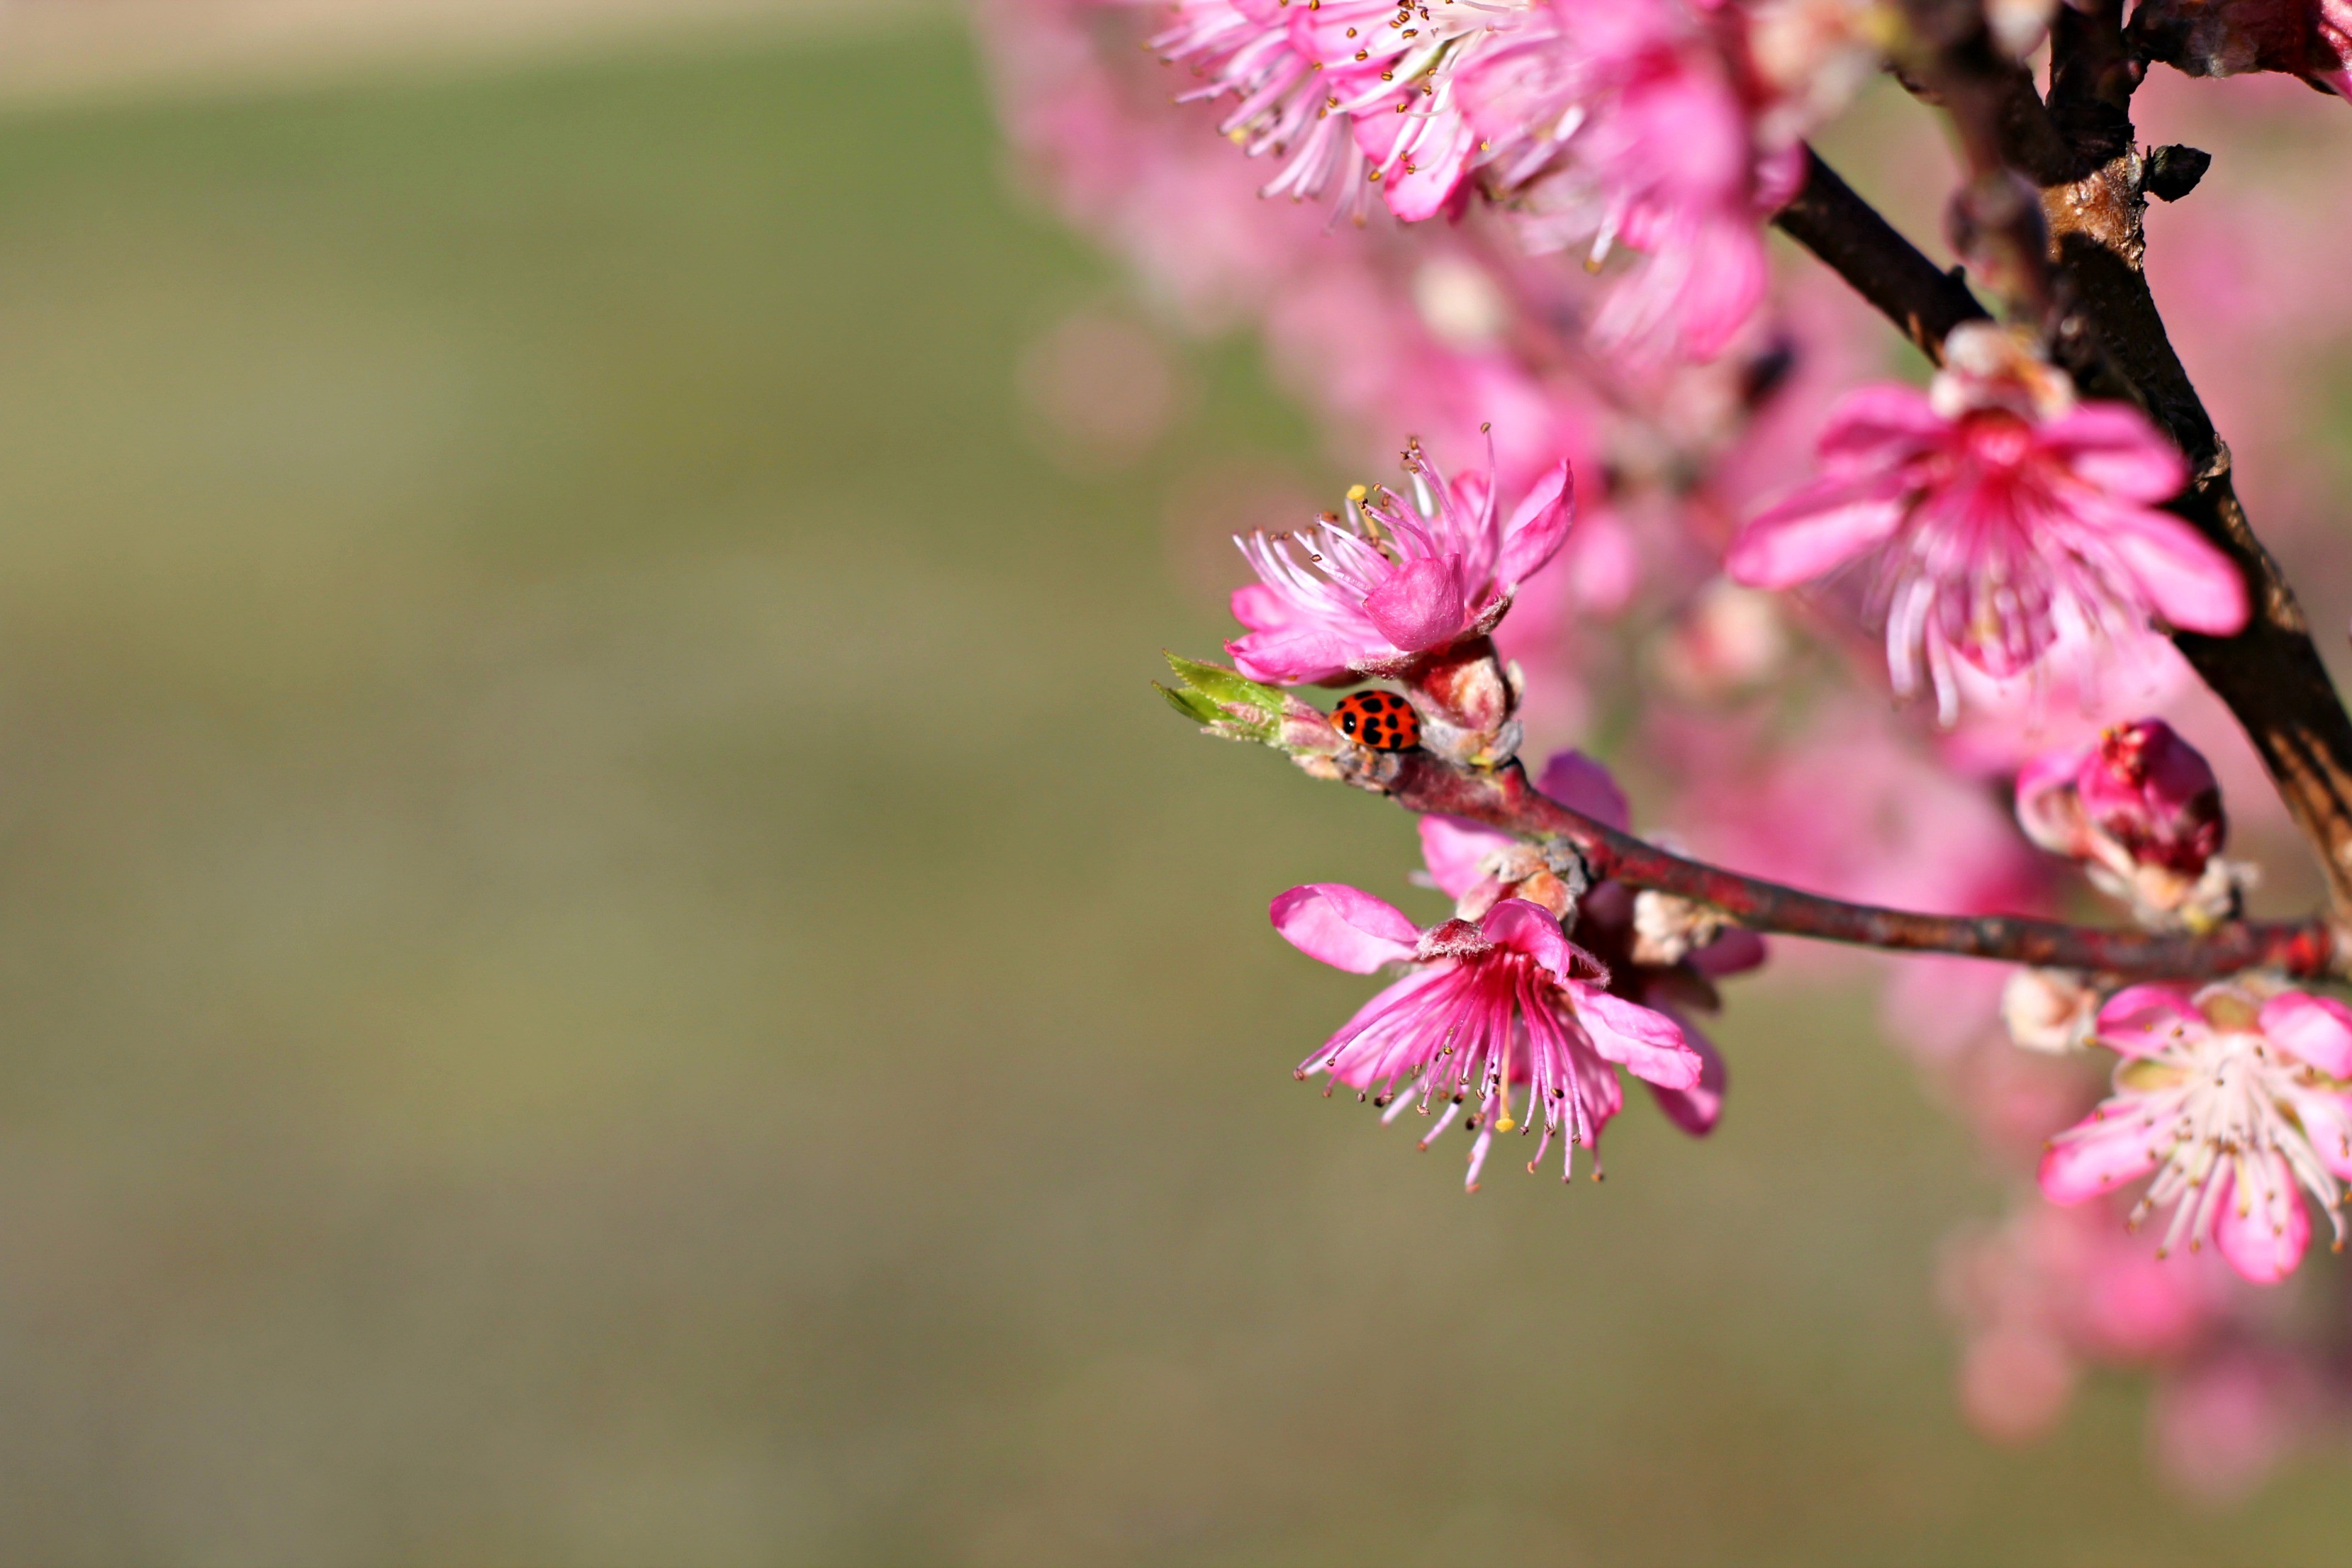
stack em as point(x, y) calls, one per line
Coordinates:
point(2113, 446)
point(1530, 929)
point(1581, 783)
point(2188, 582)
point(2326, 1117)
point(1452, 847)
point(1644, 1041)
point(2104, 1156)
point(1420, 605)
point(1816, 531)
point(1298, 656)
point(1345, 927)
point(1736, 951)
point(2142, 1019)
point(2262, 1232)
point(1697, 1109)
point(2316, 1028)
point(1538, 528)
point(1875, 427)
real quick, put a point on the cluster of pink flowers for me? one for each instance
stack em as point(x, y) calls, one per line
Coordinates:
point(1654, 492)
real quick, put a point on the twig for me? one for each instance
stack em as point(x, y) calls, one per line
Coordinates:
point(1504, 799)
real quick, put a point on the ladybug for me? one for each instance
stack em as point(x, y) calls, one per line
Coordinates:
point(1380, 719)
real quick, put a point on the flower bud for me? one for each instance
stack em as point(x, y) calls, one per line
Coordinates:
point(2049, 1010)
point(2155, 794)
point(2142, 809)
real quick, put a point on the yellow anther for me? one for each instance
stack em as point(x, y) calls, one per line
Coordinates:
point(1357, 493)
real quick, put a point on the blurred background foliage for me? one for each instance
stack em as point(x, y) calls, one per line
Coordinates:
point(605, 958)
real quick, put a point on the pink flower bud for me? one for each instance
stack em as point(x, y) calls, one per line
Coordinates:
point(2153, 793)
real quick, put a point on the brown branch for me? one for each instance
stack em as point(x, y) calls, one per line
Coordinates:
point(1845, 231)
point(1504, 799)
point(2270, 675)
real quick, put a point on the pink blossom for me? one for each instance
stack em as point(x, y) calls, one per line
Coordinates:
point(1619, 120)
point(2000, 515)
point(2234, 1098)
point(2053, 1288)
point(1251, 51)
point(1390, 69)
point(1487, 1007)
point(2139, 803)
point(2220, 1430)
point(1405, 575)
point(1477, 867)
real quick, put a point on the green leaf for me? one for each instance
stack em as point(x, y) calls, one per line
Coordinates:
point(1190, 704)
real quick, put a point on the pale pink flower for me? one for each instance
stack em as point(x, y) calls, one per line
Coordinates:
point(1403, 576)
point(1620, 121)
point(2000, 515)
point(1486, 1009)
point(2234, 1099)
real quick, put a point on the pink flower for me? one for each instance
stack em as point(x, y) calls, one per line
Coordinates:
point(1477, 867)
point(1619, 120)
point(2139, 803)
point(1390, 68)
point(1350, 94)
point(2000, 515)
point(1251, 50)
point(1405, 576)
point(1487, 1007)
point(2234, 1099)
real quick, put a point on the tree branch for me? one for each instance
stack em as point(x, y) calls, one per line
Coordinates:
point(1504, 799)
point(2270, 675)
point(1845, 231)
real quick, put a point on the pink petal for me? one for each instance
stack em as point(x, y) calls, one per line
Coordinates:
point(2316, 1028)
point(1816, 531)
point(1530, 929)
point(1645, 1042)
point(1421, 604)
point(1452, 847)
point(2188, 582)
point(2265, 1242)
point(2142, 1019)
point(1736, 951)
point(1875, 427)
point(2113, 446)
point(1345, 927)
point(1294, 655)
point(1440, 156)
point(2326, 1119)
point(1538, 528)
point(2047, 808)
point(1697, 1109)
point(1579, 784)
point(2111, 1153)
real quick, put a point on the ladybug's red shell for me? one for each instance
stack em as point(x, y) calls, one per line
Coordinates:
point(1380, 719)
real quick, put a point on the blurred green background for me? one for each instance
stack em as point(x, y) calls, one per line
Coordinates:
point(605, 957)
